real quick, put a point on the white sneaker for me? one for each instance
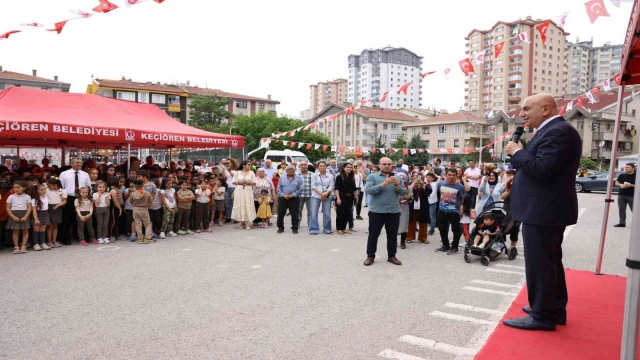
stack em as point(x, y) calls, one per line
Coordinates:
point(354, 230)
point(172, 234)
point(162, 235)
point(106, 240)
point(100, 241)
point(37, 247)
point(190, 232)
point(45, 247)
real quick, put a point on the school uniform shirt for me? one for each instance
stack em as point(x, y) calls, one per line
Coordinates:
point(83, 206)
point(55, 197)
point(101, 200)
point(19, 202)
point(169, 197)
point(202, 197)
point(45, 203)
point(219, 197)
point(185, 194)
point(156, 204)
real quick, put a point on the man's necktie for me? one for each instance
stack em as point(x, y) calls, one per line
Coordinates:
point(77, 182)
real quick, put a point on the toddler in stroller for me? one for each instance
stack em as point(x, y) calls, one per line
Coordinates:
point(491, 226)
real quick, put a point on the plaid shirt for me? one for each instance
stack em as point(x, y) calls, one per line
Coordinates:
point(306, 185)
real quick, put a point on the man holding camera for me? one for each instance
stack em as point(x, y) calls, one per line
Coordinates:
point(385, 191)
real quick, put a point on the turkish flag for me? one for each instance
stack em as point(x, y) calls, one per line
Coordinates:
point(427, 73)
point(524, 37)
point(466, 66)
point(617, 78)
point(421, 150)
point(333, 117)
point(6, 35)
point(325, 147)
point(362, 102)
point(405, 151)
point(292, 144)
point(595, 8)
point(277, 141)
point(313, 125)
point(309, 146)
point(59, 26)
point(82, 13)
point(542, 29)
point(105, 7)
point(480, 57)
point(134, 2)
point(561, 111)
point(373, 150)
point(358, 149)
point(450, 151)
point(595, 90)
point(349, 110)
point(341, 149)
point(384, 97)
point(606, 85)
point(562, 19)
point(580, 102)
point(404, 88)
point(159, 1)
point(35, 25)
point(498, 48)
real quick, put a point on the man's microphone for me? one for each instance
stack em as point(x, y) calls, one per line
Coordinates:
point(517, 134)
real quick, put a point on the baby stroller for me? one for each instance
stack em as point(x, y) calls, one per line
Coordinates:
point(497, 245)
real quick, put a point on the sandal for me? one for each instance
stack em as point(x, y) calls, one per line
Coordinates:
point(16, 250)
point(347, 232)
point(23, 250)
point(340, 232)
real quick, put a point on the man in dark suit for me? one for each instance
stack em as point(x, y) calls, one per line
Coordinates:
point(544, 200)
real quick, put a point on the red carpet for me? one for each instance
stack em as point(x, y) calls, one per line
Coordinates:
point(593, 331)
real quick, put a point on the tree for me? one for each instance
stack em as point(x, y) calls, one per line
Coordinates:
point(398, 145)
point(588, 163)
point(375, 157)
point(420, 159)
point(208, 112)
point(263, 124)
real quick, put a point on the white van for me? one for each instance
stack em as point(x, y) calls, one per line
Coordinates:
point(276, 156)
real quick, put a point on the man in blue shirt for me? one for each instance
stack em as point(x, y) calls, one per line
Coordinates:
point(289, 190)
point(450, 195)
point(384, 210)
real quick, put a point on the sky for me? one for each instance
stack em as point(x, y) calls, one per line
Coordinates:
point(277, 47)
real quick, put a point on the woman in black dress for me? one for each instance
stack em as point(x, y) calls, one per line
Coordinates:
point(345, 191)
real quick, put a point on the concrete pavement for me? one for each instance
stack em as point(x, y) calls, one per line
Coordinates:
point(238, 294)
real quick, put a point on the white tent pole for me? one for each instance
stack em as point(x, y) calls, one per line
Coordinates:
point(612, 172)
point(632, 302)
point(128, 159)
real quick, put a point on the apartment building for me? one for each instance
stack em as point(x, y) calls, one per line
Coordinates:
point(422, 114)
point(175, 100)
point(456, 131)
point(33, 81)
point(590, 66)
point(323, 94)
point(521, 69)
point(363, 127)
point(376, 71)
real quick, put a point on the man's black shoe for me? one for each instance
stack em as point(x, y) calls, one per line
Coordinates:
point(295, 231)
point(431, 232)
point(563, 322)
point(359, 217)
point(280, 231)
point(452, 251)
point(618, 225)
point(227, 221)
point(443, 249)
point(529, 323)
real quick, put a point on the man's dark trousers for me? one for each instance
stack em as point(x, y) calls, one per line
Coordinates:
point(68, 220)
point(473, 196)
point(444, 219)
point(292, 205)
point(545, 272)
point(391, 222)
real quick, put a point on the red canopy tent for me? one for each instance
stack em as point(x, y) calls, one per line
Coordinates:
point(37, 118)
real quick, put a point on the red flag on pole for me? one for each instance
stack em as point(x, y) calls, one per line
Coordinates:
point(617, 78)
point(542, 29)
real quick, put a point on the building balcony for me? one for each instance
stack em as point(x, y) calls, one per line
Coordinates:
point(608, 136)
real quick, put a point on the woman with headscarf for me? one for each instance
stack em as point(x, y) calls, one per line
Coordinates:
point(262, 183)
point(489, 191)
point(404, 209)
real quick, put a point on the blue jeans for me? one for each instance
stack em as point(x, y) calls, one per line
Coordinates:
point(314, 227)
point(228, 202)
point(432, 216)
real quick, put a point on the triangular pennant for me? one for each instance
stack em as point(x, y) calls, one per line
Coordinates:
point(480, 57)
point(300, 145)
point(59, 26)
point(606, 85)
point(105, 7)
point(373, 150)
point(569, 105)
point(292, 144)
point(325, 147)
point(420, 151)
point(589, 96)
point(498, 49)
point(427, 73)
point(561, 20)
point(404, 88)
point(384, 97)
point(524, 37)
point(382, 151)
point(357, 149)
point(405, 151)
point(285, 142)
point(466, 66)
point(617, 78)
point(316, 146)
point(580, 102)
point(334, 148)
point(542, 29)
point(595, 9)
point(413, 151)
point(595, 90)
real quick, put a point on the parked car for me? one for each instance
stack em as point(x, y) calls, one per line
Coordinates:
point(597, 182)
point(589, 172)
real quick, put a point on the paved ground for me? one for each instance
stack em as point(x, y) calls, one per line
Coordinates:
point(256, 294)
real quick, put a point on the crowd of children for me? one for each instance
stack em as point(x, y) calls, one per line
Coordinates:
point(148, 204)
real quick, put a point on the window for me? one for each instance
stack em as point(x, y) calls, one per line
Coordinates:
point(394, 137)
point(497, 103)
point(261, 106)
point(505, 127)
point(442, 129)
point(384, 137)
point(241, 104)
point(456, 142)
point(498, 79)
point(174, 99)
point(442, 143)
point(499, 29)
point(456, 129)
point(394, 126)
point(385, 126)
point(427, 144)
point(498, 38)
point(129, 96)
point(158, 99)
point(425, 130)
point(413, 131)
